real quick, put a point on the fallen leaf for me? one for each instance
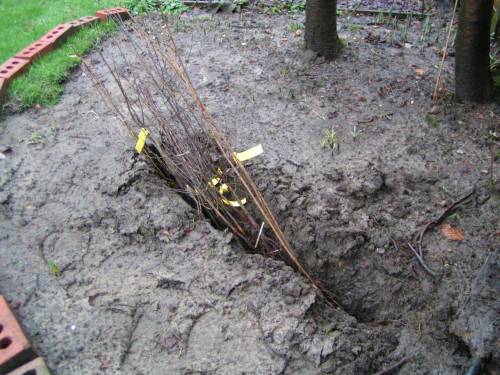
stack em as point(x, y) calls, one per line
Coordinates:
point(434, 109)
point(421, 71)
point(105, 363)
point(453, 234)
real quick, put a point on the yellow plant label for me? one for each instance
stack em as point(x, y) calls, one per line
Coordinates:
point(141, 140)
point(223, 188)
point(249, 154)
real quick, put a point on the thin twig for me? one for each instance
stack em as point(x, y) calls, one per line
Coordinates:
point(258, 237)
point(417, 249)
point(441, 217)
point(421, 260)
point(450, 27)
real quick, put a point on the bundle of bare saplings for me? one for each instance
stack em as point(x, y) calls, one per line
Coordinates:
point(152, 95)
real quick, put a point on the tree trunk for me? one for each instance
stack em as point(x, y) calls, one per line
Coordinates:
point(321, 27)
point(472, 63)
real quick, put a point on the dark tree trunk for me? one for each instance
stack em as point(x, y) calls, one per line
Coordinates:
point(472, 63)
point(321, 27)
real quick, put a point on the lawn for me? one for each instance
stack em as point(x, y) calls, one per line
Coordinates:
point(24, 21)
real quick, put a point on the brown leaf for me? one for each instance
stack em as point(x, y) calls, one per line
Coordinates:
point(421, 71)
point(105, 363)
point(453, 234)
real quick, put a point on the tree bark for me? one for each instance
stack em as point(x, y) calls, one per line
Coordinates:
point(321, 27)
point(472, 63)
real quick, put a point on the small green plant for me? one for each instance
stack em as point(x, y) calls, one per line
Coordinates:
point(54, 130)
point(406, 28)
point(344, 43)
point(54, 270)
point(494, 60)
point(36, 138)
point(494, 53)
point(427, 29)
point(356, 133)
point(445, 189)
point(495, 18)
point(273, 10)
point(164, 6)
point(354, 27)
point(431, 120)
point(297, 7)
point(141, 6)
point(390, 13)
point(178, 25)
point(173, 6)
point(295, 26)
point(331, 140)
point(381, 18)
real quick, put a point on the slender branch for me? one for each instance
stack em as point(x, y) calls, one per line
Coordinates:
point(445, 51)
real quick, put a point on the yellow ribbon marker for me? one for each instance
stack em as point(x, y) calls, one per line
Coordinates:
point(141, 140)
point(249, 154)
point(223, 189)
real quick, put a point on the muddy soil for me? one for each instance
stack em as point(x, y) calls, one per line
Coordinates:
point(351, 212)
point(111, 272)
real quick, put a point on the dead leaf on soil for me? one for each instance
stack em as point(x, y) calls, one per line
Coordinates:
point(105, 363)
point(421, 71)
point(453, 234)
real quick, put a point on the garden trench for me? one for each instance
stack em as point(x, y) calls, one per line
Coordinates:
point(189, 288)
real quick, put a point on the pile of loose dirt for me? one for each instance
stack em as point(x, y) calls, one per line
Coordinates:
point(146, 286)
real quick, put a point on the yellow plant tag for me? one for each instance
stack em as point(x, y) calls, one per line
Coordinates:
point(141, 140)
point(233, 203)
point(249, 154)
point(223, 188)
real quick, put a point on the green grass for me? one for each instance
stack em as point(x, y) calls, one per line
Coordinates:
point(43, 83)
point(24, 21)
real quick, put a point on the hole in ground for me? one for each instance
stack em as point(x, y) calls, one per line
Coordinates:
point(242, 223)
point(343, 288)
point(153, 157)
